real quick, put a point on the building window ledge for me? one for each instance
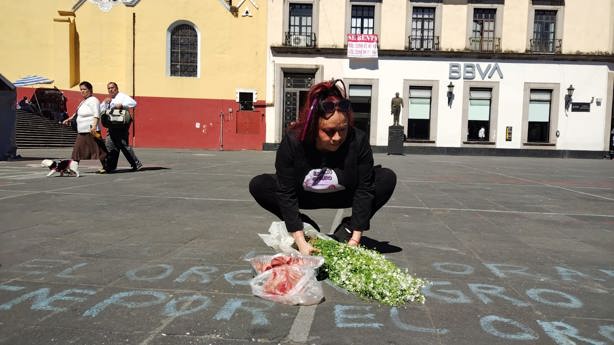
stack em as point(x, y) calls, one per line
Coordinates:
point(538, 144)
point(479, 142)
point(417, 141)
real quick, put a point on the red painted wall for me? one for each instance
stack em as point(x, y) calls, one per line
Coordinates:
point(187, 122)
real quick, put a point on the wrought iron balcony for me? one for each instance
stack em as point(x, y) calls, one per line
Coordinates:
point(552, 46)
point(481, 44)
point(300, 40)
point(423, 43)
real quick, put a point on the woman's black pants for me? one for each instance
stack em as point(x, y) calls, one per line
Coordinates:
point(263, 188)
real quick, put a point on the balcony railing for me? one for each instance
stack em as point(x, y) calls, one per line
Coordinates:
point(300, 40)
point(481, 44)
point(423, 43)
point(552, 46)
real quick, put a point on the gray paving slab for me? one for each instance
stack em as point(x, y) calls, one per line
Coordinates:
point(517, 250)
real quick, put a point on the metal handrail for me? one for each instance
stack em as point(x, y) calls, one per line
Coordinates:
point(552, 46)
point(482, 44)
point(299, 40)
point(423, 43)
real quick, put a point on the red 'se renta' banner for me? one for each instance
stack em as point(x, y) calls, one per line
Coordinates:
point(362, 46)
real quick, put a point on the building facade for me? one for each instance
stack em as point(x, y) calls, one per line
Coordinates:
point(489, 76)
point(196, 68)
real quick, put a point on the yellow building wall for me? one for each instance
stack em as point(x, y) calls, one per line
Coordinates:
point(515, 26)
point(332, 24)
point(453, 27)
point(104, 43)
point(29, 37)
point(275, 22)
point(394, 15)
point(587, 27)
point(232, 49)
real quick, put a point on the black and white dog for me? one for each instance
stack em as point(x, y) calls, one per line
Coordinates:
point(62, 166)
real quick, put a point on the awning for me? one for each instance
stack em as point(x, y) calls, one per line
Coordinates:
point(31, 80)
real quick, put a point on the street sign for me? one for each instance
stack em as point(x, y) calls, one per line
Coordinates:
point(580, 107)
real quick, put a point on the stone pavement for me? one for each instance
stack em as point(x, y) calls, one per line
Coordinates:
point(518, 251)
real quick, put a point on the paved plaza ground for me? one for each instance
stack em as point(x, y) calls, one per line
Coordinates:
point(517, 250)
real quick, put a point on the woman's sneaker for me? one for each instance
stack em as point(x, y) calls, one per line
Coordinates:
point(343, 233)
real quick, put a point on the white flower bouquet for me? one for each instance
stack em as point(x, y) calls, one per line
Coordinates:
point(368, 273)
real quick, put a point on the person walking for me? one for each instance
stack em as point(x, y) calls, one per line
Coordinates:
point(118, 138)
point(89, 143)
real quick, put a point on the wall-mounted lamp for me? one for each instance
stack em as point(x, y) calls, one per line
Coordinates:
point(568, 98)
point(450, 94)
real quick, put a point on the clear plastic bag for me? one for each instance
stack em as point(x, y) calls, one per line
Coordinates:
point(280, 239)
point(288, 284)
point(261, 263)
point(288, 277)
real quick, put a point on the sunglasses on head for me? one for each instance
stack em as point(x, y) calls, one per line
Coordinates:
point(328, 107)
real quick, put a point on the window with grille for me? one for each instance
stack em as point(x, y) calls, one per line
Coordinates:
point(483, 32)
point(300, 19)
point(419, 117)
point(363, 19)
point(295, 89)
point(544, 31)
point(422, 28)
point(184, 51)
point(478, 116)
point(539, 116)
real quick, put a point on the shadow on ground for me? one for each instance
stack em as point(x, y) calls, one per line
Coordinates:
point(122, 171)
point(383, 247)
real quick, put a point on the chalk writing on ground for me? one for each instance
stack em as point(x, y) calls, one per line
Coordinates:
point(94, 302)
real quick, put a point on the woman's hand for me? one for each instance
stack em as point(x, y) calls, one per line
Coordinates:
point(67, 121)
point(303, 246)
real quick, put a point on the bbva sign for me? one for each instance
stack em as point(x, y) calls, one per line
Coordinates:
point(469, 71)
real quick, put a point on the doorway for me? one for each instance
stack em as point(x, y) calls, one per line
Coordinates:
point(360, 96)
point(296, 87)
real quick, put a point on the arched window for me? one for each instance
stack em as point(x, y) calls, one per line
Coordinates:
point(183, 47)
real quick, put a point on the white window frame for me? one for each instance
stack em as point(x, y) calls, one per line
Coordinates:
point(408, 22)
point(434, 85)
point(169, 30)
point(280, 70)
point(494, 111)
point(377, 14)
point(560, 15)
point(374, 83)
point(315, 14)
point(498, 21)
point(554, 114)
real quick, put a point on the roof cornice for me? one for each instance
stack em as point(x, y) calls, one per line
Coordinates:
point(394, 53)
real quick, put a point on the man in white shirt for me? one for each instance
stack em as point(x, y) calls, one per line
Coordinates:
point(117, 140)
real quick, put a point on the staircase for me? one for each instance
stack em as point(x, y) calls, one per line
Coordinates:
point(33, 130)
